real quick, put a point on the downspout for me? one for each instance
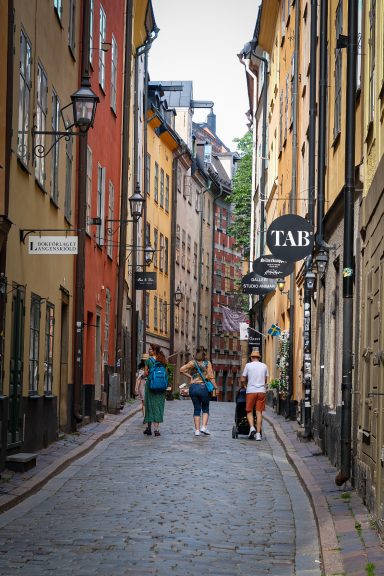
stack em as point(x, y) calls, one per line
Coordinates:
point(214, 203)
point(199, 273)
point(290, 412)
point(145, 191)
point(348, 261)
point(307, 358)
point(119, 346)
point(323, 77)
point(143, 49)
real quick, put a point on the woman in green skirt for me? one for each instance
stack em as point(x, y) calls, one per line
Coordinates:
point(154, 401)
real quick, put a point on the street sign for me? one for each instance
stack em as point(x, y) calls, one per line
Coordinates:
point(290, 237)
point(272, 267)
point(254, 284)
point(145, 280)
point(58, 245)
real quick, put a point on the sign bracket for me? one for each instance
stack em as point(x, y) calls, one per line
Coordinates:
point(25, 232)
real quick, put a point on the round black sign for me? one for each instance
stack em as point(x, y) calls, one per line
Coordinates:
point(290, 238)
point(254, 284)
point(272, 267)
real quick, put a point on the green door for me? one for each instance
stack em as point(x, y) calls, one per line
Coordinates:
point(15, 423)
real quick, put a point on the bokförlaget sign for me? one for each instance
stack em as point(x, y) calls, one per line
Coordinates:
point(272, 267)
point(252, 283)
point(145, 280)
point(290, 237)
point(58, 245)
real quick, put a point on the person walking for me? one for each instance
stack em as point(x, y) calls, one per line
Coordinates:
point(153, 401)
point(199, 370)
point(255, 374)
point(140, 384)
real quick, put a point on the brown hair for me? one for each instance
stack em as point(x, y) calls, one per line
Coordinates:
point(201, 354)
point(159, 354)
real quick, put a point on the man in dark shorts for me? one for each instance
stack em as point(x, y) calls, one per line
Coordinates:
point(255, 374)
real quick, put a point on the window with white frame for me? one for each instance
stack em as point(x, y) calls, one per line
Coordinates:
point(162, 188)
point(338, 73)
point(24, 97)
point(162, 252)
point(48, 352)
point(55, 149)
point(100, 204)
point(41, 121)
point(89, 189)
point(91, 21)
point(34, 343)
point(72, 25)
point(372, 60)
point(359, 54)
point(147, 303)
point(68, 179)
point(166, 317)
point(195, 259)
point(113, 73)
point(107, 321)
point(161, 314)
point(183, 242)
point(111, 211)
point(155, 317)
point(148, 174)
point(156, 183)
point(155, 246)
point(189, 242)
point(166, 193)
point(58, 6)
point(166, 256)
point(102, 39)
point(177, 254)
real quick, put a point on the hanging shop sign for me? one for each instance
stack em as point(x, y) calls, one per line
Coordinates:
point(145, 280)
point(272, 267)
point(254, 284)
point(290, 237)
point(255, 341)
point(58, 245)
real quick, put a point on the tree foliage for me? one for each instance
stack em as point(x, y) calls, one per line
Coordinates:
point(242, 194)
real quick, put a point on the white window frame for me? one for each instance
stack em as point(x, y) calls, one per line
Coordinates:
point(72, 26)
point(49, 347)
point(25, 85)
point(34, 344)
point(41, 121)
point(100, 204)
point(55, 157)
point(91, 21)
point(113, 73)
point(102, 38)
point(111, 212)
point(89, 189)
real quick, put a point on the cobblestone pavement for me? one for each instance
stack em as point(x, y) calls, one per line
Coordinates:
point(174, 505)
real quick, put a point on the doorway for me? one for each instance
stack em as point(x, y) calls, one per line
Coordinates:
point(15, 422)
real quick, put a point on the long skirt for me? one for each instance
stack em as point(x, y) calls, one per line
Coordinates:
point(154, 405)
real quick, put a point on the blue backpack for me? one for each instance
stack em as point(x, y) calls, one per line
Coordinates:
point(157, 377)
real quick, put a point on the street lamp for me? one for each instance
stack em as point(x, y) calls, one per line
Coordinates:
point(321, 260)
point(280, 285)
point(136, 204)
point(310, 278)
point(149, 253)
point(178, 296)
point(84, 102)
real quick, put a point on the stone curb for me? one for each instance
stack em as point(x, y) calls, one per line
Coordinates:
point(329, 545)
point(35, 483)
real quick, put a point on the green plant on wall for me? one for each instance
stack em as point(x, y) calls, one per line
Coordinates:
point(283, 361)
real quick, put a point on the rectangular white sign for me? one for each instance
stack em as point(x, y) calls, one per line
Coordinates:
point(59, 245)
point(244, 330)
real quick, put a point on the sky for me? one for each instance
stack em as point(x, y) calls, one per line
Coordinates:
point(199, 40)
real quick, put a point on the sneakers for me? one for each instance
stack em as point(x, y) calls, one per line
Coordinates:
point(197, 433)
point(205, 431)
point(252, 434)
point(258, 436)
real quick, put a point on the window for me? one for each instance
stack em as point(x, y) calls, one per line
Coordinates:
point(147, 302)
point(147, 233)
point(41, 121)
point(292, 88)
point(182, 314)
point(148, 175)
point(89, 189)
point(283, 19)
point(161, 314)
point(72, 25)
point(286, 107)
point(280, 120)
point(166, 193)
point(111, 211)
point(207, 271)
point(162, 188)
point(24, 98)
point(197, 201)
point(155, 319)
point(102, 38)
point(177, 255)
point(359, 43)
point(58, 5)
point(187, 317)
point(162, 253)
point(155, 246)
point(68, 179)
point(165, 317)
point(183, 238)
point(166, 249)
point(338, 73)
point(372, 59)
point(100, 204)
point(202, 267)
point(195, 259)
point(188, 253)
point(156, 183)
point(107, 321)
point(91, 20)
point(177, 318)
point(55, 149)
point(48, 353)
point(113, 73)
point(209, 213)
point(179, 178)
point(34, 337)
point(194, 320)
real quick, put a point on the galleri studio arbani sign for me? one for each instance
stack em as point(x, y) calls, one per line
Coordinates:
point(254, 284)
point(272, 267)
point(290, 237)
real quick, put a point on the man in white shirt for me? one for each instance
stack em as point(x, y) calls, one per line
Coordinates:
point(256, 375)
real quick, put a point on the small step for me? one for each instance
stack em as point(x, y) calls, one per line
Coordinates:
point(21, 462)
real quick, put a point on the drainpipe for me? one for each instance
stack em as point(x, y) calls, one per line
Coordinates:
point(348, 261)
point(124, 197)
point(143, 49)
point(307, 359)
point(199, 274)
point(323, 77)
point(292, 206)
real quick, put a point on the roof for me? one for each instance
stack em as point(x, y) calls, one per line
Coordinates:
point(180, 99)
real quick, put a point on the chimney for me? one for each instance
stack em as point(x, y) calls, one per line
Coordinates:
point(211, 121)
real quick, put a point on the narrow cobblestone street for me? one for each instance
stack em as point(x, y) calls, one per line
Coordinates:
point(177, 504)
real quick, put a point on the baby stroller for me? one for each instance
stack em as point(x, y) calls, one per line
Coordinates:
point(241, 425)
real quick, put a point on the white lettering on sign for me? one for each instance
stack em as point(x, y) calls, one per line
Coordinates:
point(58, 245)
point(287, 239)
